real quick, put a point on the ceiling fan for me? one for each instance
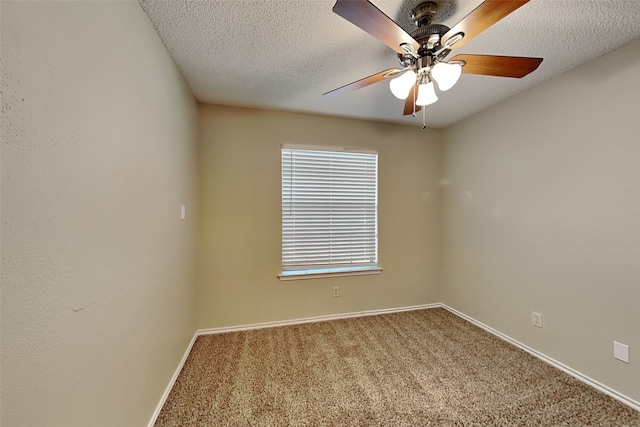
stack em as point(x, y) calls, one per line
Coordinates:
point(422, 53)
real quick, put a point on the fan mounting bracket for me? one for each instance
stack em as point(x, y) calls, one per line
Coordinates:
point(424, 12)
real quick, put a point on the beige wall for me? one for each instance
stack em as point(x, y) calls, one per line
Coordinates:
point(542, 213)
point(239, 231)
point(98, 154)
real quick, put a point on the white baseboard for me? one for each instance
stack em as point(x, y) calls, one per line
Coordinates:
point(314, 319)
point(165, 395)
point(578, 375)
point(564, 368)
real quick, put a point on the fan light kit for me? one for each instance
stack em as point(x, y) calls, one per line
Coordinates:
point(422, 53)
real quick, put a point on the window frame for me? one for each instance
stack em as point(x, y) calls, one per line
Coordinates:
point(312, 271)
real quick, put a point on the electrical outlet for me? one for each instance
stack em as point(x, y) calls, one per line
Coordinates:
point(336, 291)
point(621, 351)
point(536, 319)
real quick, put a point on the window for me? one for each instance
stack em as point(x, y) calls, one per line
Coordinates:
point(329, 212)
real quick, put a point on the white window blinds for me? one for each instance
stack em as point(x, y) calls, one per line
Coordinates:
point(329, 209)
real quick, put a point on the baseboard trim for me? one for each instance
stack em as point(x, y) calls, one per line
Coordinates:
point(634, 404)
point(314, 319)
point(165, 395)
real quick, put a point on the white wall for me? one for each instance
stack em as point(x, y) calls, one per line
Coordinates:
point(98, 154)
point(542, 213)
point(240, 222)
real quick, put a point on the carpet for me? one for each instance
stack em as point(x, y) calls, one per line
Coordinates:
point(415, 368)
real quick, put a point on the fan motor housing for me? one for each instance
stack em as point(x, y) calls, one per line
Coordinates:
point(428, 35)
point(423, 35)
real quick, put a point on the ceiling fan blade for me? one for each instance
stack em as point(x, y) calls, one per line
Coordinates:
point(481, 18)
point(500, 66)
point(369, 18)
point(409, 103)
point(358, 84)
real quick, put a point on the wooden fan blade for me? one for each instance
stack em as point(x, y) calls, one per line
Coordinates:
point(358, 84)
point(481, 18)
point(501, 66)
point(408, 104)
point(369, 18)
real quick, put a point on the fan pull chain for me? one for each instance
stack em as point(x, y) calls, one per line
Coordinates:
point(414, 102)
point(424, 118)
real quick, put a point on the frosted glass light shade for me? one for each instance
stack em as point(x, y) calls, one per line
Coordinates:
point(426, 94)
point(446, 74)
point(401, 85)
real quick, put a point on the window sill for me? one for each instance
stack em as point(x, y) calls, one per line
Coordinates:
point(328, 272)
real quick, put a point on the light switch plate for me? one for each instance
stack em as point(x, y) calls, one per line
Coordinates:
point(621, 351)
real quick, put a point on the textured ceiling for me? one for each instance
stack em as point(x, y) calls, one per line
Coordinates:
point(283, 54)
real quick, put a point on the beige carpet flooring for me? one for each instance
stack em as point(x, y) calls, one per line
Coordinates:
point(416, 368)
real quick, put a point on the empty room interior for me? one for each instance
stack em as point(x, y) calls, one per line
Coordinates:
point(142, 187)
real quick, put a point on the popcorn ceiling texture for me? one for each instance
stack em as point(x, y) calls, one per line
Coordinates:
point(284, 54)
point(419, 368)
